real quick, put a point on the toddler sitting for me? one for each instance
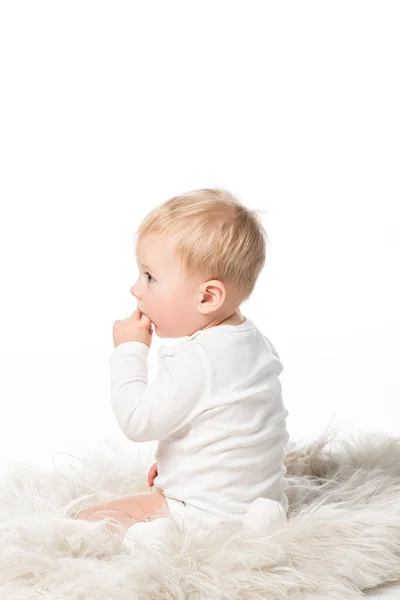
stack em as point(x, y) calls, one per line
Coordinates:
point(216, 405)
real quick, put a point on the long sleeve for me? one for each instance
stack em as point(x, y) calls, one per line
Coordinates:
point(153, 411)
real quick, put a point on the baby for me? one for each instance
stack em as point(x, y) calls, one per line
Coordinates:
point(216, 406)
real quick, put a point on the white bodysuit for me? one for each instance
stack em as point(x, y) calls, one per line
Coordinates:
point(217, 412)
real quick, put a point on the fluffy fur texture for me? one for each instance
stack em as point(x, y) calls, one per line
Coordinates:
point(342, 534)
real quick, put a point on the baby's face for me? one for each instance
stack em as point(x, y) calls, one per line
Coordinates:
point(165, 294)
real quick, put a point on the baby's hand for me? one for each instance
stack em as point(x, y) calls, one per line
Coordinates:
point(136, 328)
point(152, 474)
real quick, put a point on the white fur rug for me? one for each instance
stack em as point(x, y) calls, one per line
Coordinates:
point(342, 536)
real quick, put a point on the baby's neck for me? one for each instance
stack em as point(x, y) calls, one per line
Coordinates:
point(236, 319)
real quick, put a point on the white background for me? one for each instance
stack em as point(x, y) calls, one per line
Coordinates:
point(110, 108)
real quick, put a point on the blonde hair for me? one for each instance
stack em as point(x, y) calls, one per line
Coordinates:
point(215, 235)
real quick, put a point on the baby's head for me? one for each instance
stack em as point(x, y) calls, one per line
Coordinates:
point(199, 255)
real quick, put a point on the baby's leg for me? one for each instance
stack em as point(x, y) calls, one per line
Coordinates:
point(127, 510)
point(121, 521)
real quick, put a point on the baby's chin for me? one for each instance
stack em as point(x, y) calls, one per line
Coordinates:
point(163, 335)
point(160, 333)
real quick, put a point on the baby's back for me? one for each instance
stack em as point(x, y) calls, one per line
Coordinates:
point(233, 449)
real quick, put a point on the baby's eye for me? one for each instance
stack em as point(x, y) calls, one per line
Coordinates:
point(149, 276)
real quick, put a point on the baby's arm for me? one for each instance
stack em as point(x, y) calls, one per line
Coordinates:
point(153, 411)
